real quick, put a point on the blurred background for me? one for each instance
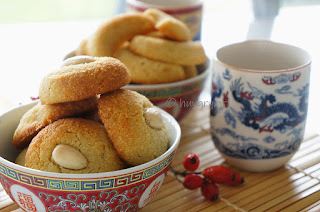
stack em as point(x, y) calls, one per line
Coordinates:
point(35, 35)
point(34, 11)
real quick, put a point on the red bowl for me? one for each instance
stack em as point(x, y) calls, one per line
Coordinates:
point(124, 190)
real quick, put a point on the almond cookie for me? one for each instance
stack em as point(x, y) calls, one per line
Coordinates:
point(80, 81)
point(73, 145)
point(147, 71)
point(111, 34)
point(41, 115)
point(21, 159)
point(169, 26)
point(134, 126)
point(182, 53)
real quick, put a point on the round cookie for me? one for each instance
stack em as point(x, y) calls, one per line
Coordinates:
point(73, 145)
point(147, 71)
point(111, 34)
point(81, 81)
point(21, 159)
point(41, 115)
point(134, 126)
point(182, 53)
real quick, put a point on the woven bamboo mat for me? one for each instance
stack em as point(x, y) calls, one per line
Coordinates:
point(296, 187)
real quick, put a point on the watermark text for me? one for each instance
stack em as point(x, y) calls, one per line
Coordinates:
point(172, 102)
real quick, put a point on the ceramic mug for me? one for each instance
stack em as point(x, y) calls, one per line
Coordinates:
point(188, 11)
point(259, 103)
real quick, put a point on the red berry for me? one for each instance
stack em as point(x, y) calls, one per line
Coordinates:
point(222, 175)
point(191, 162)
point(210, 190)
point(34, 98)
point(192, 181)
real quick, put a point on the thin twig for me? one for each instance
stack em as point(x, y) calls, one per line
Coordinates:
point(181, 173)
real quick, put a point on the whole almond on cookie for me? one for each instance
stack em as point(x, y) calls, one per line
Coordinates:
point(69, 157)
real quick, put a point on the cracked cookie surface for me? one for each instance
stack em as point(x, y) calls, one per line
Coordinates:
point(123, 113)
point(84, 139)
point(81, 81)
point(40, 116)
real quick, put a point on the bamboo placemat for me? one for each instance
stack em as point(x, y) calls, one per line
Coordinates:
point(296, 187)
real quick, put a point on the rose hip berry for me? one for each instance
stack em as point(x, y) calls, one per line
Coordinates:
point(207, 179)
point(192, 181)
point(191, 162)
point(210, 190)
point(222, 175)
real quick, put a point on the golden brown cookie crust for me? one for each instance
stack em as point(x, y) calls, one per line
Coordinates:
point(182, 53)
point(21, 159)
point(169, 26)
point(147, 71)
point(41, 115)
point(81, 81)
point(88, 137)
point(190, 71)
point(112, 33)
point(156, 34)
point(122, 112)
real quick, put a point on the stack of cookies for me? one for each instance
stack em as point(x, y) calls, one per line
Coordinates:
point(155, 46)
point(86, 123)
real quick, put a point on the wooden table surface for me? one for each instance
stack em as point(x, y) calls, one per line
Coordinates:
point(295, 187)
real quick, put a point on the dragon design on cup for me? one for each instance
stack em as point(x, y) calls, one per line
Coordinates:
point(258, 106)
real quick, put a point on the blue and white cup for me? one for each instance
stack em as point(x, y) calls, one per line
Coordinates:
point(259, 103)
